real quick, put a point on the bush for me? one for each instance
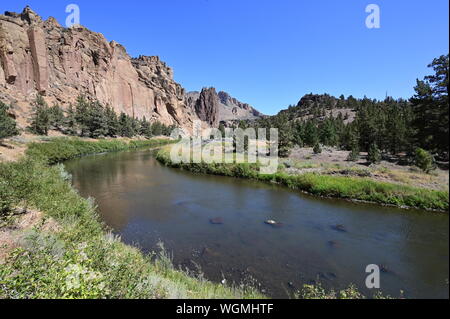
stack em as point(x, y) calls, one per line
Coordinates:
point(353, 156)
point(424, 160)
point(317, 149)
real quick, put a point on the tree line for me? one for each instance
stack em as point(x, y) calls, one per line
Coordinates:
point(91, 119)
point(378, 127)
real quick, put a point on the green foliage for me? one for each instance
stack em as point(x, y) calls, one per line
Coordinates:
point(7, 124)
point(355, 188)
point(374, 154)
point(82, 259)
point(395, 126)
point(353, 156)
point(70, 122)
point(61, 149)
point(431, 110)
point(318, 292)
point(317, 149)
point(40, 122)
point(424, 160)
point(125, 126)
point(56, 117)
point(91, 119)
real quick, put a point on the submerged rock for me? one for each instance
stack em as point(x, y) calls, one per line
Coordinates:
point(333, 244)
point(273, 223)
point(208, 252)
point(216, 221)
point(340, 228)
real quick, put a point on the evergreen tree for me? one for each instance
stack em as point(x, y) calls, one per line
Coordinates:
point(7, 123)
point(97, 122)
point(157, 129)
point(430, 104)
point(56, 117)
point(146, 128)
point(424, 160)
point(112, 122)
point(70, 122)
point(125, 126)
point(82, 115)
point(374, 154)
point(40, 121)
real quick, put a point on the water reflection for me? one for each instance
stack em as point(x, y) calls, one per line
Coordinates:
point(145, 202)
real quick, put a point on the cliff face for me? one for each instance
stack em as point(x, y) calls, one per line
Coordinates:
point(214, 107)
point(43, 57)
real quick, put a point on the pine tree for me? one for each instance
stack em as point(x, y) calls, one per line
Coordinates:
point(125, 126)
point(374, 154)
point(56, 117)
point(431, 108)
point(157, 129)
point(70, 123)
point(82, 115)
point(112, 122)
point(97, 121)
point(40, 121)
point(424, 160)
point(146, 128)
point(7, 123)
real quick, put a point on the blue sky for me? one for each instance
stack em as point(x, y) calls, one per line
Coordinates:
point(271, 53)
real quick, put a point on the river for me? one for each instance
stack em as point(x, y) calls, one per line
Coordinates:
point(145, 203)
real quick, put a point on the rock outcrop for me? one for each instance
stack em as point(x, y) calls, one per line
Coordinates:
point(232, 109)
point(206, 106)
point(220, 107)
point(42, 57)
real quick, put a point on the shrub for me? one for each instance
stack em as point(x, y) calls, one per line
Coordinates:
point(424, 160)
point(353, 156)
point(317, 149)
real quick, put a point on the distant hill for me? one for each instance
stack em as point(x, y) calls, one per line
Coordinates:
point(321, 106)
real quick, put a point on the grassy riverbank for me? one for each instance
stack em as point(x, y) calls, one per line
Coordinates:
point(68, 252)
point(351, 188)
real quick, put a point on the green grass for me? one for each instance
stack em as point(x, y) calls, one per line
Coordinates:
point(81, 258)
point(57, 150)
point(352, 188)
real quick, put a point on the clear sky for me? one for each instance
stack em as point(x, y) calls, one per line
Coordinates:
point(271, 53)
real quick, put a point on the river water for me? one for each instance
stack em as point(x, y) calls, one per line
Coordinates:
point(146, 203)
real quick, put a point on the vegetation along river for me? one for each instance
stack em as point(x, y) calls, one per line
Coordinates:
point(320, 240)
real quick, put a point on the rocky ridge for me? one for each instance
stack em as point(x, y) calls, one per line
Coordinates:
point(42, 57)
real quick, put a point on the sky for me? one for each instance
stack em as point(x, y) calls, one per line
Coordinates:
point(270, 53)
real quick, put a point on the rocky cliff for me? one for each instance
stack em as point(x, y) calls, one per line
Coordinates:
point(219, 107)
point(42, 57)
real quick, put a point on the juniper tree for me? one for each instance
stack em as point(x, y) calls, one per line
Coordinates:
point(7, 123)
point(56, 117)
point(40, 121)
point(70, 122)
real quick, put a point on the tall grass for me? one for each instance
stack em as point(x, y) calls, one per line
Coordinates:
point(352, 188)
point(79, 257)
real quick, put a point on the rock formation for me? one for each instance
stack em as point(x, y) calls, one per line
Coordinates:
point(220, 107)
point(206, 106)
point(42, 57)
